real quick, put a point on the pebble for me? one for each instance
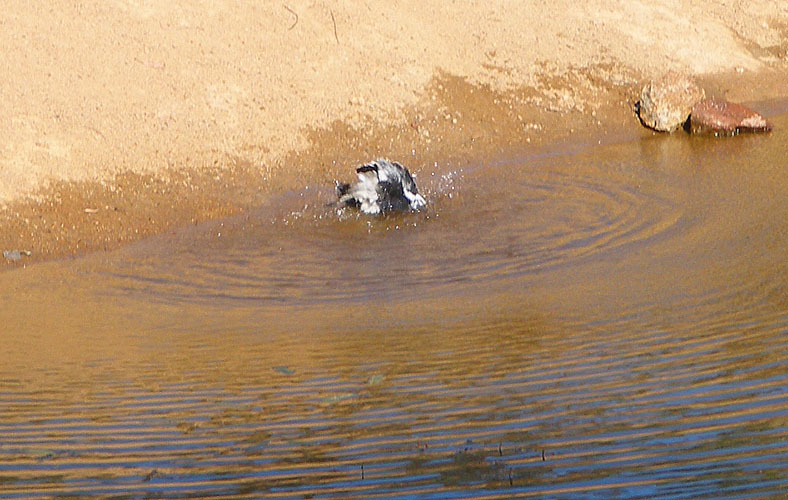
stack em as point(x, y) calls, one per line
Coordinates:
point(16, 255)
point(723, 118)
point(665, 103)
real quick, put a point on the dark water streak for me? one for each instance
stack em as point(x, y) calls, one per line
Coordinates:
point(605, 324)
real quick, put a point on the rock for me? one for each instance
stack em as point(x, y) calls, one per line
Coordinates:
point(720, 117)
point(666, 103)
point(16, 255)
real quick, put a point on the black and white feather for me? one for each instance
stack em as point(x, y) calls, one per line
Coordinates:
point(383, 186)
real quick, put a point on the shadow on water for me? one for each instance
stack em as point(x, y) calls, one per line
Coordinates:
point(609, 323)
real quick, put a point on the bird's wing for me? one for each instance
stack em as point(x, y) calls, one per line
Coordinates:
point(368, 172)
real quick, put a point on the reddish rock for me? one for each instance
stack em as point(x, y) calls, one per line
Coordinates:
point(720, 117)
point(665, 104)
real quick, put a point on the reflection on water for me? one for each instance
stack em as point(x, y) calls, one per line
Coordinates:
point(608, 324)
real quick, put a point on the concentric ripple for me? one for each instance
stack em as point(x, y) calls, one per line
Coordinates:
point(495, 223)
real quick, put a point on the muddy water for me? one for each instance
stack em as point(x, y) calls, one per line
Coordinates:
point(610, 323)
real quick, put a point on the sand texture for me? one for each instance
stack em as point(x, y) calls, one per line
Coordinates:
point(120, 118)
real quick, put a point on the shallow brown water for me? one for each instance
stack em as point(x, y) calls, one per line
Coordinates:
point(604, 324)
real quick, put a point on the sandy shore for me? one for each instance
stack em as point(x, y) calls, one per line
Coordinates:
point(122, 119)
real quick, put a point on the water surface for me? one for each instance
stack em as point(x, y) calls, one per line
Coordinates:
point(604, 324)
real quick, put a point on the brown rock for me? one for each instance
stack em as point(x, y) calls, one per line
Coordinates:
point(666, 103)
point(720, 117)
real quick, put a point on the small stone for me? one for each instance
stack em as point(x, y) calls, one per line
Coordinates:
point(721, 117)
point(16, 255)
point(12, 255)
point(665, 104)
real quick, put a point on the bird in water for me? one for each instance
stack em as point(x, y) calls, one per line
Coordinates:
point(383, 186)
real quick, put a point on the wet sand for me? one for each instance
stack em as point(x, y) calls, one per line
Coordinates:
point(129, 119)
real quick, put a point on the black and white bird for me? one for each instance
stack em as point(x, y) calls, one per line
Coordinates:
point(383, 186)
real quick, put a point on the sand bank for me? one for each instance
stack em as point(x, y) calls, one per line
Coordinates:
point(121, 119)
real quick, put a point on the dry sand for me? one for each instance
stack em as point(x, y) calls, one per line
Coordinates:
point(123, 118)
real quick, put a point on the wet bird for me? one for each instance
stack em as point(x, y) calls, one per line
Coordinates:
point(383, 186)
